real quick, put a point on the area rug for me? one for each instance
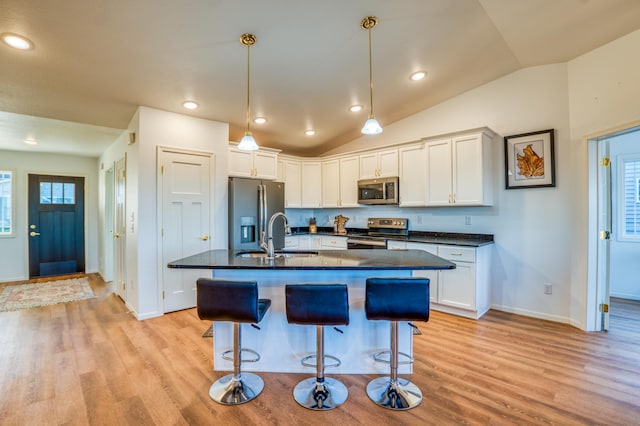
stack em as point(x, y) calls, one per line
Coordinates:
point(26, 296)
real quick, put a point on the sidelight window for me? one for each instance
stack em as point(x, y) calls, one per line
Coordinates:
point(6, 203)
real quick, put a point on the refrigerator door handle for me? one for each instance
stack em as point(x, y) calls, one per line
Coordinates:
point(262, 211)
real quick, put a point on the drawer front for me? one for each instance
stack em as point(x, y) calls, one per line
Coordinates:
point(455, 253)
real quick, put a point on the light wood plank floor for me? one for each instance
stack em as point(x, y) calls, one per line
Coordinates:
point(91, 362)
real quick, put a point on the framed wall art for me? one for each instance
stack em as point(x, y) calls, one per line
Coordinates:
point(529, 160)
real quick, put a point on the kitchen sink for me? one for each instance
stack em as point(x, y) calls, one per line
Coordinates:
point(277, 254)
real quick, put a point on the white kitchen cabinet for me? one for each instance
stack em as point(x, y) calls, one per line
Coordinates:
point(311, 183)
point(463, 291)
point(459, 170)
point(349, 175)
point(413, 176)
point(292, 183)
point(291, 242)
point(329, 242)
point(340, 182)
point(260, 164)
point(376, 164)
point(331, 183)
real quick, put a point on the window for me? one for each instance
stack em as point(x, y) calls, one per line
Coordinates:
point(6, 203)
point(629, 172)
point(57, 193)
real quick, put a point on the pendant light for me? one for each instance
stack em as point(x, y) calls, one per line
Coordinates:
point(248, 143)
point(371, 126)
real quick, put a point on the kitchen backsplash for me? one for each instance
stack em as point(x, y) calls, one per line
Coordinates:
point(472, 219)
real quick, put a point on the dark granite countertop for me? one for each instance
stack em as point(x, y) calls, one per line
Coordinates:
point(316, 260)
point(447, 238)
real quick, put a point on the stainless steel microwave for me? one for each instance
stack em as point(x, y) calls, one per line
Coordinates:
point(378, 191)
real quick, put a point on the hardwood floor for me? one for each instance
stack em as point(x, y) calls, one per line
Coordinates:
point(92, 362)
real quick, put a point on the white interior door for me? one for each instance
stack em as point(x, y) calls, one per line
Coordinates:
point(604, 226)
point(185, 182)
point(120, 230)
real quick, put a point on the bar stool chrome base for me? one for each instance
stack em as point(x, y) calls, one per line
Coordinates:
point(401, 395)
point(320, 395)
point(235, 390)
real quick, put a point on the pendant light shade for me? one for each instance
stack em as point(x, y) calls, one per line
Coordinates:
point(248, 143)
point(371, 126)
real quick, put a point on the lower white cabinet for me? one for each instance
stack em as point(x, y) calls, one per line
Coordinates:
point(330, 242)
point(463, 291)
point(314, 242)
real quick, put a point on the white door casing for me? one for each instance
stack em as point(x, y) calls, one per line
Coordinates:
point(185, 182)
point(120, 231)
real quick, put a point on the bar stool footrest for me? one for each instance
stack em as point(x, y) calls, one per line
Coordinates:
point(378, 357)
point(228, 355)
point(304, 361)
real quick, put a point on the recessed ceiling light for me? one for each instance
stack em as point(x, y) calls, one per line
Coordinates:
point(260, 120)
point(17, 41)
point(418, 75)
point(190, 104)
point(30, 142)
point(355, 108)
point(310, 132)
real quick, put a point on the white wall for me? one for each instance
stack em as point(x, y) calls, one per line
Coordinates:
point(625, 255)
point(14, 255)
point(156, 128)
point(532, 227)
point(604, 92)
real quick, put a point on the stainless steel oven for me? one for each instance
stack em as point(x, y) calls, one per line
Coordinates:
point(379, 230)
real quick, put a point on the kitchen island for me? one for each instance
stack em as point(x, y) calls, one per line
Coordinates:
point(282, 345)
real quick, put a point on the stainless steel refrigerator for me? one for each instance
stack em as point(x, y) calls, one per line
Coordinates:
point(251, 204)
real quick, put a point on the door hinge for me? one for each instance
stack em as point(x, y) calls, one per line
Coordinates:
point(124, 174)
point(604, 308)
point(162, 295)
point(605, 235)
point(124, 286)
point(605, 161)
point(162, 169)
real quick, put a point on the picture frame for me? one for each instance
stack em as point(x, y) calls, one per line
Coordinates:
point(530, 160)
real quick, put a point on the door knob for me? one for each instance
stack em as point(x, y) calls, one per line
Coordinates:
point(34, 234)
point(116, 235)
point(205, 237)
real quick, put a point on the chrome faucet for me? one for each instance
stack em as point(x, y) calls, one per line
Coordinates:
point(287, 230)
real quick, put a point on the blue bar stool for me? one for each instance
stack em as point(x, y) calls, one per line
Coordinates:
point(319, 305)
point(237, 302)
point(396, 299)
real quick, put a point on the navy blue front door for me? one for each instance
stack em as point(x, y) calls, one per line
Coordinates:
point(56, 225)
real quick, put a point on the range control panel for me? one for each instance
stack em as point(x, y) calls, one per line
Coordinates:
point(387, 223)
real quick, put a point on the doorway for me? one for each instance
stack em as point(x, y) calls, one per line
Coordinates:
point(614, 221)
point(56, 225)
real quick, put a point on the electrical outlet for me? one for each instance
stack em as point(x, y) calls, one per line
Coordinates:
point(548, 288)
point(467, 220)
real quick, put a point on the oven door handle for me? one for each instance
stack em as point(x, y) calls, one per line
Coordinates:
point(367, 242)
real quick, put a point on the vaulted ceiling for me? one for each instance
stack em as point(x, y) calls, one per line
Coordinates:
point(94, 62)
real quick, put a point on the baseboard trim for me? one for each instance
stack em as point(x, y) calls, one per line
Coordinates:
point(533, 314)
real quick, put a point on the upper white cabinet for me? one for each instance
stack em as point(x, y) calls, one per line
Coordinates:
point(382, 163)
point(331, 183)
point(260, 164)
point(340, 182)
point(459, 170)
point(413, 176)
point(311, 183)
point(289, 173)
